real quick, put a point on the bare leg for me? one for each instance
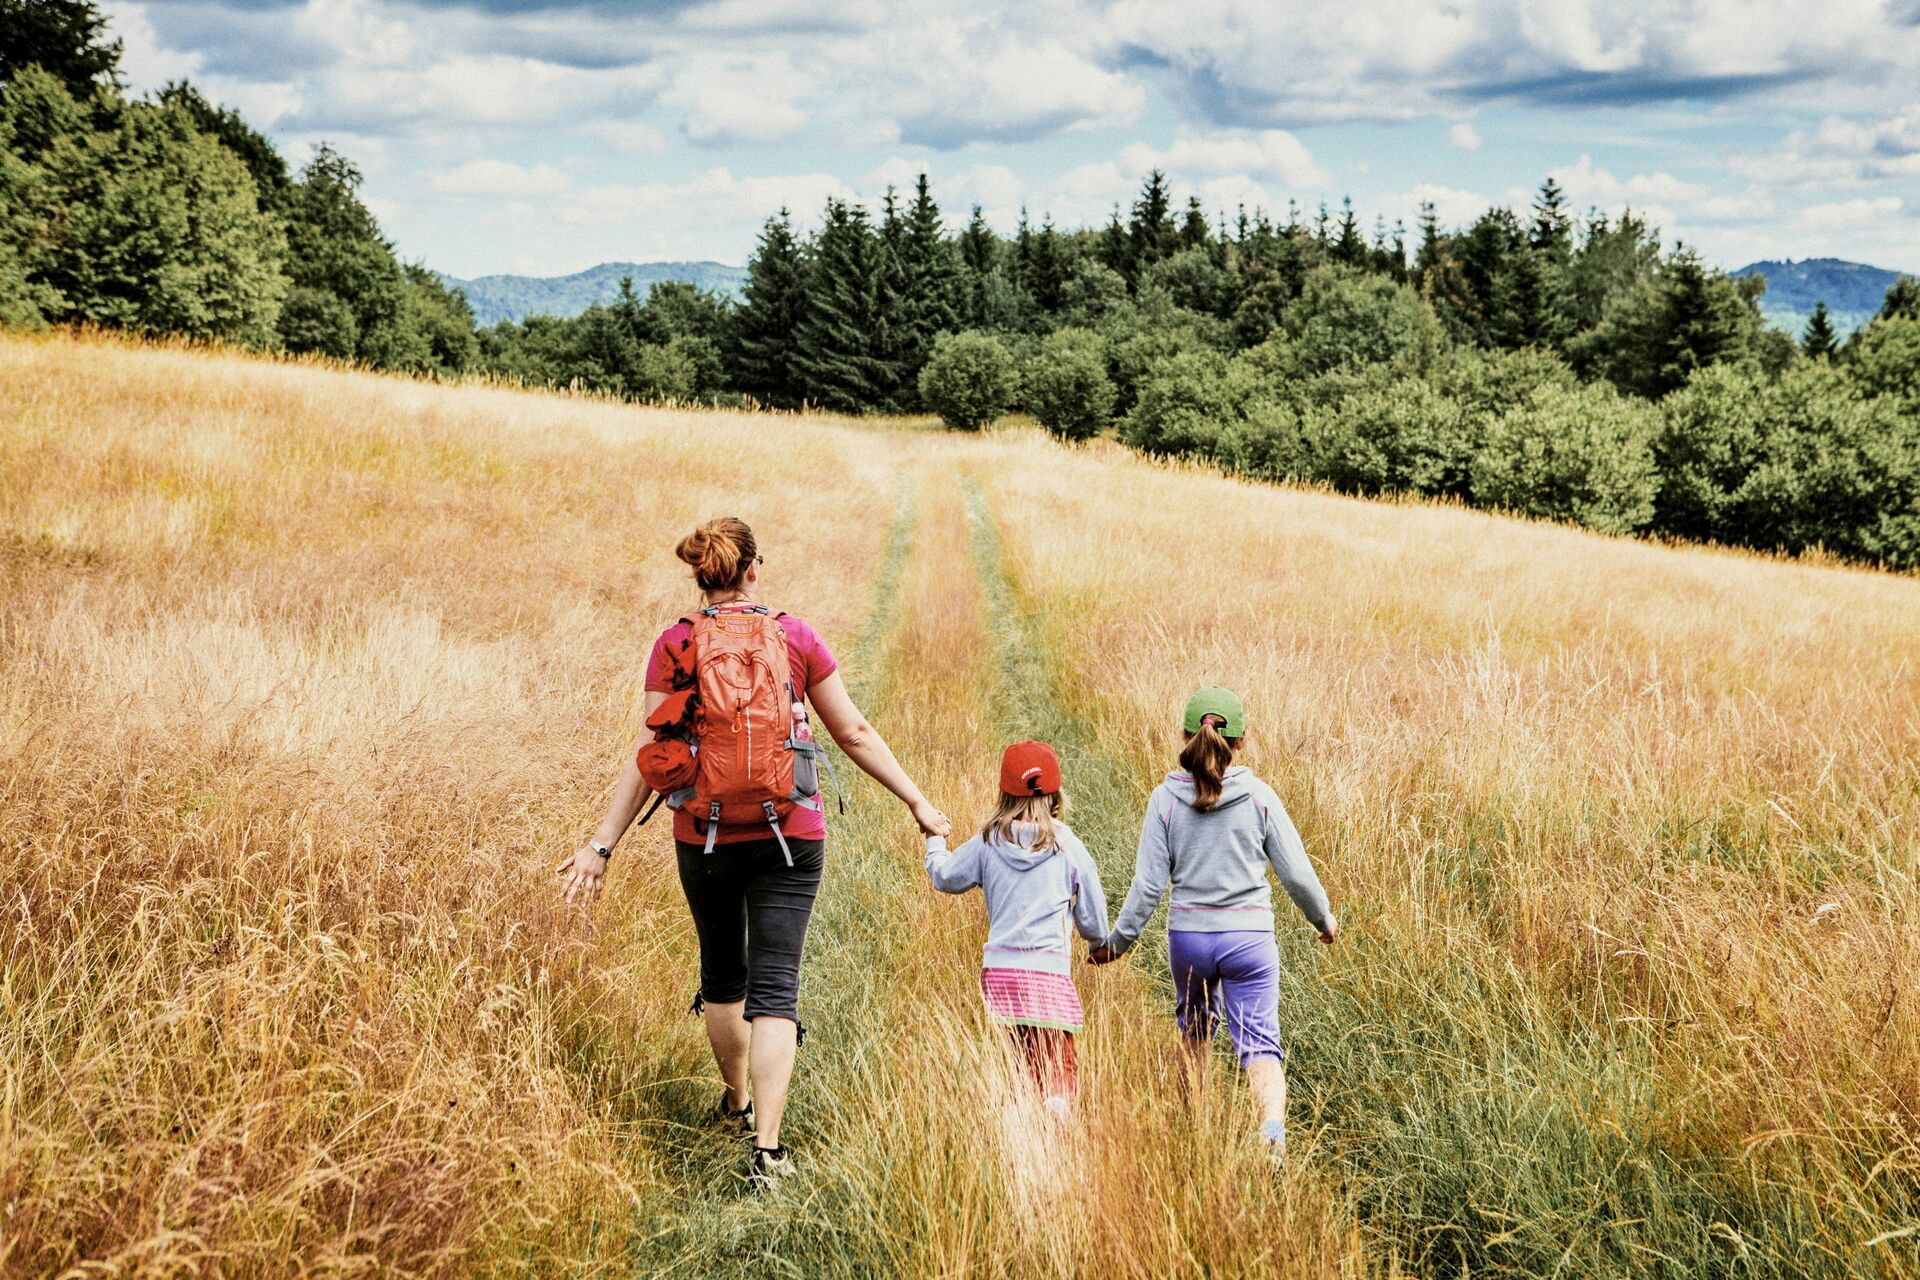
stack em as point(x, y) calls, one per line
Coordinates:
point(772, 1062)
point(728, 1033)
point(1267, 1077)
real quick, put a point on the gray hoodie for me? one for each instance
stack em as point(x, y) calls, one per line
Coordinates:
point(1218, 861)
point(1029, 894)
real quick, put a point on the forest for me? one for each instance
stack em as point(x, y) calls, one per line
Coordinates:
point(1556, 363)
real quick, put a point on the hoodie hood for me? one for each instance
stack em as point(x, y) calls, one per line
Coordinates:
point(1235, 788)
point(1022, 856)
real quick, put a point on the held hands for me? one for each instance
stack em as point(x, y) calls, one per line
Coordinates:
point(1332, 930)
point(932, 821)
point(1101, 954)
point(583, 872)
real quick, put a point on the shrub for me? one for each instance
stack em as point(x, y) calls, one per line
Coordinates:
point(1407, 437)
point(1345, 318)
point(318, 320)
point(1709, 441)
point(1885, 360)
point(1188, 400)
point(1583, 454)
point(970, 380)
point(1067, 389)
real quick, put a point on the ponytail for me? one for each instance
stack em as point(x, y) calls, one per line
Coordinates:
point(1207, 756)
point(720, 552)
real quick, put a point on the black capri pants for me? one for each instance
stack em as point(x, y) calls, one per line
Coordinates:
point(751, 911)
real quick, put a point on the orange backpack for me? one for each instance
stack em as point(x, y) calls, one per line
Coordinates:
point(732, 741)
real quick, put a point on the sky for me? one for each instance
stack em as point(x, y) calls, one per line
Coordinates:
point(545, 136)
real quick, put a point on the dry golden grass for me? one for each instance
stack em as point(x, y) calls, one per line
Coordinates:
point(307, 678)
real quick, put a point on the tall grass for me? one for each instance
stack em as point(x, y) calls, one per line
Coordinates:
point(307, 678)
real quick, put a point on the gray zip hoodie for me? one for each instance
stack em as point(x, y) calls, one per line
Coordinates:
point(1029, 893)
point(1218, 861)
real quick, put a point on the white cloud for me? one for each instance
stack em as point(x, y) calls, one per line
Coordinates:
point(1464, 136)
point(1842, 151)
point(736, 98)
point(1270, 154)
point(144, 60)
point(489, 177)
point(950, 81)
point(1245, 62)
point(1843, 214)
point(626, 137)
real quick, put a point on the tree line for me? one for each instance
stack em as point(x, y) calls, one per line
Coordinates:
point(1554, 364)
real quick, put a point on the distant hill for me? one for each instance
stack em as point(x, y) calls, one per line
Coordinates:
point(497, 298)
point(1853, 291)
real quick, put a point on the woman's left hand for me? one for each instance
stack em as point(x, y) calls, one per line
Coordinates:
point(932, 821)
point(584, 872)
point(1102, 954)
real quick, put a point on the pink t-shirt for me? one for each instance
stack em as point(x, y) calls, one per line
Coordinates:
point(811, 662)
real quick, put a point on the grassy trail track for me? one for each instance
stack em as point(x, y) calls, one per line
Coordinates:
point(912, 1138)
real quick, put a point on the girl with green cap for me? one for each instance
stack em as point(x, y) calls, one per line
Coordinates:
point(1211, 832)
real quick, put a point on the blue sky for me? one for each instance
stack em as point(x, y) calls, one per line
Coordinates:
point(543, 136)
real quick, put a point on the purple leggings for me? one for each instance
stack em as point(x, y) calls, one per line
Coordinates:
point(1231, 976)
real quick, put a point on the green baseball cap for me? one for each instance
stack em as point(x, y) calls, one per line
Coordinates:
point(1215, 701)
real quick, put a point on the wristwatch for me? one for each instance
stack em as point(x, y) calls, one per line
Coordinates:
point(605, 851)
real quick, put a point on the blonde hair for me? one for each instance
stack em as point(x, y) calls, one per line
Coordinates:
point(1207, 757)
point(1040, 810)
point(720, 552)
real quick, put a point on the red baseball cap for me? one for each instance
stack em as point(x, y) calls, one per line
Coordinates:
point(1029, 769)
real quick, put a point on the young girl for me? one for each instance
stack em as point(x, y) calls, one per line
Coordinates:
point(1034, 873)
point(1213, 829)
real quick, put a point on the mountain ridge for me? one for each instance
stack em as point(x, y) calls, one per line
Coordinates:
point(506, 296)
point(1853, 291)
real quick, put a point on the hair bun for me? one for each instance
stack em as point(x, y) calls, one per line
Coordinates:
point(719, 552)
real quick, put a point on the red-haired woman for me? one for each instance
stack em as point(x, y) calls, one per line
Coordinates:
point(751, 889)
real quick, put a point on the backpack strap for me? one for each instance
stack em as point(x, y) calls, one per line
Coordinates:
point(652, 809)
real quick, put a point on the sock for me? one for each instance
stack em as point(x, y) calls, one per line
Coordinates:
point(1275, 1131)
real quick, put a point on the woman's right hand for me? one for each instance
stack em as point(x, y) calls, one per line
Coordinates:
point(1332, 931)
point(932, 821)
point(584, 872)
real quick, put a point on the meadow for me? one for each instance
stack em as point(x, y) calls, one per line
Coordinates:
point(309, 677)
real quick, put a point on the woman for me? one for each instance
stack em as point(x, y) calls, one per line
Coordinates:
point(751, 891)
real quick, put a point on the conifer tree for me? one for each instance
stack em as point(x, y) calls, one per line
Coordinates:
point(894, 362)
point(766, 327)
point(933, 281)
point(1193, 230)
point(979, 255)
point(64, 38)
point(1150, 231)
point(1819, 340)
point(1902, 300)
point(1350, 247)
point(1552, 231)
point(833, 360)
point(1051, 269)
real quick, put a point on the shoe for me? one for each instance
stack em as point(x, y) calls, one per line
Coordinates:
point(727, 1117)
point(769, 1167)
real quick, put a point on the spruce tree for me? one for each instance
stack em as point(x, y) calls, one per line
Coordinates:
point(1819, 341)
point(64, 38)
point(1150, 231)
point(1902, 300)
point(833, 359)
point(1051, 269)
point(1350, 247)
point(1552, 231)
point(766, 327)
point(1115, 251)
point(932, 280)
point(894, 362)
point(979, 255)
point(1193, 231)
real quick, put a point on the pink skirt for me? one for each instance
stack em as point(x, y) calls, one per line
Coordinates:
point(1029, 998)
